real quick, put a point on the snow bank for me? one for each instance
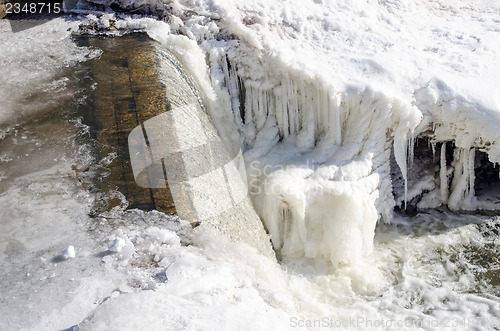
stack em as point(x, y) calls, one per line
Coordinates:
point(179, 278)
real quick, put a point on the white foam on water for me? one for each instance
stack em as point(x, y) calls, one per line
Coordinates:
point(421, 275)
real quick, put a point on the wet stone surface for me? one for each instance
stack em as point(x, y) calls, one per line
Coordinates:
point(127, 92)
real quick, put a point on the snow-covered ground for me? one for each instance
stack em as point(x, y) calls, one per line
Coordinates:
point(330, 91)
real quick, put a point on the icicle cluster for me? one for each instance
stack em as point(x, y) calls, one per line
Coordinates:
point(317, 154)
point(293, 108)
point(318, 159)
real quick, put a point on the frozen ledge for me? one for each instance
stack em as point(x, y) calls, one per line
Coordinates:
point(454, 153)
point(319, 160)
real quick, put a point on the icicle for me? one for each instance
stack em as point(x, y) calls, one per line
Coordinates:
point(400, 154)
point(318, 115)
point(457, 185)
point(271, 103)
point(260, 109)
point(303, 106)
point(324, 113)
point(296, 107)
point(249, 105)
point(255, 107)
point(335, 124)
point(282, 115)
point(292, 98)
point(462, 188)
point(288, 97)
point(407, 158)
point(457, 171)
point(225, 70)
point(234, 91)
point(433, 147)
point(231, 83)
point(472, 174)
point(443, 175)
point(465, 172)
point(411, 149)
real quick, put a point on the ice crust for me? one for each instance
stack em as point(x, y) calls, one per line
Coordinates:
point(33, 61)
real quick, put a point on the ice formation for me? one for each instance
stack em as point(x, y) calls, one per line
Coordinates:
point(318, 137)
point(68, 253)
point(470, 127)
point(318, 158)
point(315, 157)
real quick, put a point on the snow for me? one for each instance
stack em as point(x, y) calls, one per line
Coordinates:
point(197, 287)
point(69, 252)
point(318, 96)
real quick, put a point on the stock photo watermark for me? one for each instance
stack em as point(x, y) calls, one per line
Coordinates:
point(177, 150)
point(261, 176)
point(26, 14)
point(385, 323)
